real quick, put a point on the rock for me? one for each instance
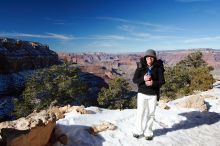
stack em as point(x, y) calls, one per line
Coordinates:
point(80, 109)
point(63, 139)
point(210, 97)
point(20, 55)
point(34, 130)
point(109, 74)
point(18, 58)
point(95, 129)
point(58, 136)
point(194, 101)
point(60, 111)
point(218, 104)
point(163, 103)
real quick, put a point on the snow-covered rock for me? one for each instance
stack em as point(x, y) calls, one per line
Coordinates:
point(194, 101)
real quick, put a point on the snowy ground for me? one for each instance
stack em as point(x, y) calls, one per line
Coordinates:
point(173, 127)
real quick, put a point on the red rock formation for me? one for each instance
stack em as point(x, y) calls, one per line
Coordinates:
point(127, 62)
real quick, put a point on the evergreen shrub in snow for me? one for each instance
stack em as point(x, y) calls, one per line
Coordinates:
point(58, 83)
point(189, 75)
point(117, 95)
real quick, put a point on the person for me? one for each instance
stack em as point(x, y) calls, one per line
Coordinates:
point(149, 77)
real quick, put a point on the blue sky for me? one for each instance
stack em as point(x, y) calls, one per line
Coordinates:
point(113, 25)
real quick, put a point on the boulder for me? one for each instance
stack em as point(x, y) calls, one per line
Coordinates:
point(34, 130)
point(95, 129)
point(60, 111)
point(163, 104)
point(194, 101)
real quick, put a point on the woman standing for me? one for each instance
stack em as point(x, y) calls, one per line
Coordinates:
point(149, 77)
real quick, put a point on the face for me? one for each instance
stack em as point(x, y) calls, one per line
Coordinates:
point(149, 60)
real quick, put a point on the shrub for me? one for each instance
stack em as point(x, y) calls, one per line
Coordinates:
point(201, 79)
point(193, 60)
point(58, 83)
point(132, 102)
point(187, 76)
point(116, 96)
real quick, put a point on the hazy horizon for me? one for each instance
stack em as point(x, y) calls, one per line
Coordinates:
point(113, 26)
point(135, 52)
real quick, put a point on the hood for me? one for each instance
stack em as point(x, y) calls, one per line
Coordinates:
point(157, 63)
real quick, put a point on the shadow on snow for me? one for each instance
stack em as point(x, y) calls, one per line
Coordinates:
point(194, 119)
point(79, 135)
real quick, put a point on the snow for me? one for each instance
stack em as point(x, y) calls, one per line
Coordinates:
point(173, 127)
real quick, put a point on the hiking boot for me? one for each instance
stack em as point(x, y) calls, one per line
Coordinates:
point(137, 135)
point(149, 137)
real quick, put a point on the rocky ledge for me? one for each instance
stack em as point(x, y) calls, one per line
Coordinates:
point(18, 59)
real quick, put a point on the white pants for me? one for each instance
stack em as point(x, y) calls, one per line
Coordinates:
point(146, 105)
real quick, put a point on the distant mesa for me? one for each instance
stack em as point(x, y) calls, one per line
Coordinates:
point(125, 63)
